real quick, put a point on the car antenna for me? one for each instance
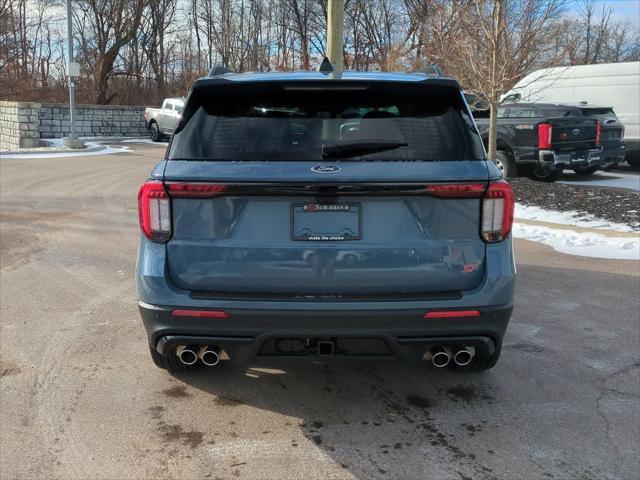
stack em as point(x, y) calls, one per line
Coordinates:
point(219, 70)
point(325, 66)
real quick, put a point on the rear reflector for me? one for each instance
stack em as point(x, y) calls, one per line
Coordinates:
point(598, 132)
point(194, 190)
point(544, 136)
point(497, 211)
point(457, 190)
point(154, 211)
point(452, 314)
point(200, 313)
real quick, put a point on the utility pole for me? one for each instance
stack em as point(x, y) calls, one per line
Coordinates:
point(73, 70)
point(335, 33)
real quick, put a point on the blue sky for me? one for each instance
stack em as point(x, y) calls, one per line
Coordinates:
point(622, 9)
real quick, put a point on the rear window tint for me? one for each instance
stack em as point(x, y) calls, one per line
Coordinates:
point(294, 125)
point(556, 112)
point(520, 112)
point(597, 111)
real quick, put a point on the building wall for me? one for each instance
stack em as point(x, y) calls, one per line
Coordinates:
point(22, 124)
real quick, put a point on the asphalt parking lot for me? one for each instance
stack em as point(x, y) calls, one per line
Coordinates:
point(80, 397)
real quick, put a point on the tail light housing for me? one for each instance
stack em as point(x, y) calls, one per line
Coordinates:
point(544, 136)
point(598, 133)
point(497, 211)
point(154, 204)
point(154, 209)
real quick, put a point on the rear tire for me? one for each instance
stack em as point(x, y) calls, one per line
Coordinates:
point(633, 159)
point(586, 170)
point(170, 363)
point(505, 164)
point(545, 174)
point(154, 132)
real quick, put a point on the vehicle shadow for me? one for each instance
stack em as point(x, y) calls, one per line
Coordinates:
point(374, 419)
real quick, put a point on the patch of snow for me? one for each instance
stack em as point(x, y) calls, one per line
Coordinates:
point(585, 244)
point(144, 140)
point(628, 181)
point(570, 218)
point(57, 143)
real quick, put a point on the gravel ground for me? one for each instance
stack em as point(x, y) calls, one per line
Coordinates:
point(614, 205)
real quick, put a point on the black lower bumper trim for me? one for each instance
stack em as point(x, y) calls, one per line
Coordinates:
point(247, 334)
point(245, 349)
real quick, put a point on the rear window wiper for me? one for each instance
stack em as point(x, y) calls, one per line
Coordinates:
point(345, 150)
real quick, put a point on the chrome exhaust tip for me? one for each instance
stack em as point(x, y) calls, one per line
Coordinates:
point(463, 357)
point(209, 356)
point(187, 355)
point(440, 357)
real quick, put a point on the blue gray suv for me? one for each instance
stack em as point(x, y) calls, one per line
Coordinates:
point(325, 215)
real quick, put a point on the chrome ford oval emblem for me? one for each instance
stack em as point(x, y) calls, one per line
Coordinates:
point(576, 131)
point(326, 169)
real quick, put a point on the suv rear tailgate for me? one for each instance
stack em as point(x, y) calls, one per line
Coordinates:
point(410, 243)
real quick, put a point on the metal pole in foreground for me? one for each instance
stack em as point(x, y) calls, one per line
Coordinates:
point(72, 141)
point(335, 33)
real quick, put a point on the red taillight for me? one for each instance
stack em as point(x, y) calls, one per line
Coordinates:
point(154, 209)
point(497, 211)
point(194, 190)
point(452, 314)
point(544, 136)
point(219, 314)
point(457, 190)
point(598, 132)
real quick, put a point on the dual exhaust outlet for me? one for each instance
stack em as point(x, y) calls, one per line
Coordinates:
point(209, 355)
point(441, 356)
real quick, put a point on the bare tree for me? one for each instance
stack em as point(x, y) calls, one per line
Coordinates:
point(158, 17)
point(491, 44)
point(105, 27)
point(140, 50)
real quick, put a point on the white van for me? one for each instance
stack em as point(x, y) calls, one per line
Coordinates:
point(614, 85)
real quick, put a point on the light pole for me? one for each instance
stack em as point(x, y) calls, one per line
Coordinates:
point(73, 71)
point(335, 34)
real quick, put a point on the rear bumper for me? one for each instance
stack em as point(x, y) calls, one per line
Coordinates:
point(249, 334)
point(582, 158)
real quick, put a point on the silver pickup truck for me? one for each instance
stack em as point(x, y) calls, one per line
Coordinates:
point(161, 121)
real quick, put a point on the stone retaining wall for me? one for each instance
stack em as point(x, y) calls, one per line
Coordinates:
point(19, 125)
point(22, 124)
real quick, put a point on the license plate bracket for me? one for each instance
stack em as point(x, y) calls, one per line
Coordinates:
point(326, 222)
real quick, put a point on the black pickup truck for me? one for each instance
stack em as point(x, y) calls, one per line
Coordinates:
point(541, 140)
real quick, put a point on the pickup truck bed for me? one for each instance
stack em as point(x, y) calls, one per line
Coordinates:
point(542, 140)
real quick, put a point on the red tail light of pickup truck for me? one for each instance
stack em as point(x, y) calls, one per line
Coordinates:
point(544, 136)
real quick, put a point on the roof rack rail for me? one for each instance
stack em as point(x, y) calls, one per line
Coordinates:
point(219, 70)
point(433, 70)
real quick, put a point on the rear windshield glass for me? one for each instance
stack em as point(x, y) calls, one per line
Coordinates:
point(597, 111)
point(274, 124)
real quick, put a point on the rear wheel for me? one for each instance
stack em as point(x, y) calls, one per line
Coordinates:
point(505, 164)
point(154, 132)
point(586, 170)
point(545, 174)
point(169, 362)
point(633, 159)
